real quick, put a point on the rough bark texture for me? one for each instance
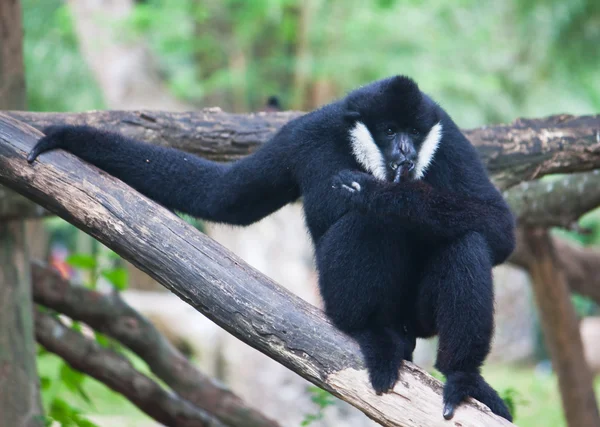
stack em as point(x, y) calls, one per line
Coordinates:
point(110, 315)
point(555, 203)
point(118, 373)
point(561, 331)
point(20, 403)
point(219, 285)
point(521, 151)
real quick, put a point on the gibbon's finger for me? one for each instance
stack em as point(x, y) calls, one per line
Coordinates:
point(350, 189)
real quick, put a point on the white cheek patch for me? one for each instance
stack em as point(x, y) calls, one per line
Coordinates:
point(428, 149)
point(366, 152)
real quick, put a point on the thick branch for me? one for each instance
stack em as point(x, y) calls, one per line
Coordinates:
point(112, 316)
point(116, 372)
point(219, 284)
point(521, 151)
point(556, 203)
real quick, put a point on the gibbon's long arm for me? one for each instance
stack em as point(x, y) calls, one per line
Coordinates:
point(238, 193)
point(432, 213)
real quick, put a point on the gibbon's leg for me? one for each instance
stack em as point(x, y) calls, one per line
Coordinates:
point(238, 193)
point(456, 299)
point(356, 277)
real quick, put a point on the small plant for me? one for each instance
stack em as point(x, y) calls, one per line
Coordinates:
point(322, 399)
point(58, 409)
point(512, 398)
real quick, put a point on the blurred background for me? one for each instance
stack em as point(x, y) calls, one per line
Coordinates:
point(486, 62)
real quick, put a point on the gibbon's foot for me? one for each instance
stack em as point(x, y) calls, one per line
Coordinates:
point(383, 351)
point(460, 385)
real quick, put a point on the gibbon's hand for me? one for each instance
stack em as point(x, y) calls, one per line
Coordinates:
point(354, 186)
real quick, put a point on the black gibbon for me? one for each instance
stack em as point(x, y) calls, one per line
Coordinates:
point(405, 221)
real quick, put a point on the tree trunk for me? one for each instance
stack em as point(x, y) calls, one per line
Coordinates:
point(20, 403)
point(561, 331)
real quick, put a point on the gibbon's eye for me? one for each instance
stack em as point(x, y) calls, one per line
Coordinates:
point(390, 131)
point(414, 131)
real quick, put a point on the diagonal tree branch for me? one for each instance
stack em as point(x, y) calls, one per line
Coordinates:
point(112, 316)
point(218, 284)
point(520, 151)
point(116, 372)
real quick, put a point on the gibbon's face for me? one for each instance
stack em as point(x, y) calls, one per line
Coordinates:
point(395, 131)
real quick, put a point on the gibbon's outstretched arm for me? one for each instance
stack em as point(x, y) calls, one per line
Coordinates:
point(238, 193)
point(431, 212)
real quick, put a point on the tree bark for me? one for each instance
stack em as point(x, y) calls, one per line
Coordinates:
point(521, 151)
point(20, 403)
point(561, 331)
point(218, 284)
point(115, 371)
point(112, 316)
point(555, 203)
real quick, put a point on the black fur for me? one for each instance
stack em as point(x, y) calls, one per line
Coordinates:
point(396, 261)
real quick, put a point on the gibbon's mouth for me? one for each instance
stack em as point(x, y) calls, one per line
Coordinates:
point(402, 171)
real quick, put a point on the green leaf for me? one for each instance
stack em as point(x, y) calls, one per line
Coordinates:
point(45, 382)
point(102, 339)
point(73, 380)
point(82, 261)
point(118, 277)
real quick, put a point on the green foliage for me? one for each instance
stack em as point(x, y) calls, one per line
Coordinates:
point(66, 415)
point(436, 374)
point(322, 399)
point(82, 261)
point(512, 398)
point(57, 79)
point(66, 379)
point(56, 407)
point(115, 275)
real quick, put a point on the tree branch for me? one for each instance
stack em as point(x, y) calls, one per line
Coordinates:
point(116, 372)
point(556, 203)
point(580, 266)
point(112, 316)
point(520, 151)
point(219, 284)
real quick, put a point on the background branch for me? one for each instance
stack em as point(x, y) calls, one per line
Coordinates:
point(555, 203)
point(112, 316)
point(520, 151)
point(116, 372)
point(219, 284)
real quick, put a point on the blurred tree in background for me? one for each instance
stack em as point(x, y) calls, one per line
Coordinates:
point(503, 59)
